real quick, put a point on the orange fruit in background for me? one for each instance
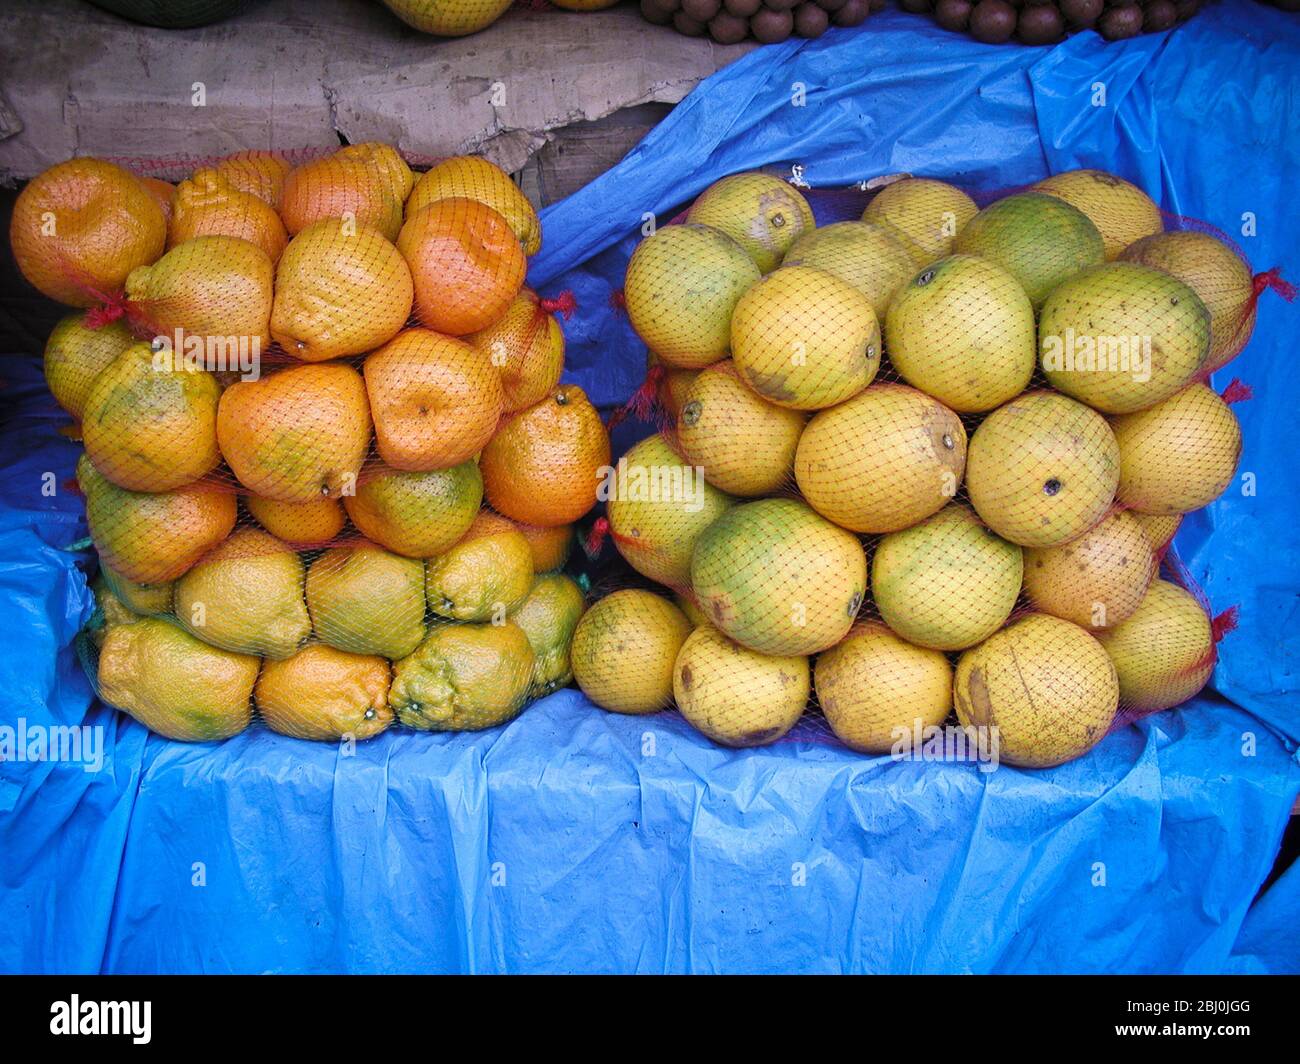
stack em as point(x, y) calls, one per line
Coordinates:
point(526, 345)
point(544, 464)
point(337, 187)
point(318, 521)
point(323, 693)
point(339, 291)
point(396, 176)
point(466, 263)
point(153, 537)
point(477, 179)
point(260, 173)
point(81, 226)
point(550, 546)
point(417, 514)
point(211, 286)
point(208, 205)
point(150, 424)
point(163, 192)
point(435, 400)
point(297, 435)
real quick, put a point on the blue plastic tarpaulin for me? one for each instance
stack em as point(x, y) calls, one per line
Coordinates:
point(575, 840)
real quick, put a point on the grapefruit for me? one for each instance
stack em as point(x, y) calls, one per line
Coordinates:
point(448, 18)
point(1121, 211)
point(868, 256)
point(924, 214)
point(526, 348)
point(417, 514)
point(483, 577)
point(549, 616)
point(75, 356)
point(325, 694)
point(624, 648)
point(366, 600)
point(206, 204)
point(470, 177)
point(315, 522)
point(1042, 469)
point(761, 213)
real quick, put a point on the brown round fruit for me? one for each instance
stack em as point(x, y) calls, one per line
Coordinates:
point(771, 27)
point(683, 23)
point(1040, 24)
point(1159, 15)
point(742, 8)
point(1082, 13)
point(853, 13)
point(1120, 23)
point(726, 28)
point(993, 21)
point(953, 14)
point(701, 10)
point(810, 20)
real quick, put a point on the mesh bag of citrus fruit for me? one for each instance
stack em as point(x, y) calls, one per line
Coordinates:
point(330, 471)
point(921, 463)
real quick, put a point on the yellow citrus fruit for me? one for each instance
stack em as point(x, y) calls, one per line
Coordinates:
point(484, 576)
point(339, 291)
point(297, 435)
point(1178, 455)
point(214, 287)
point(466, 264)
point(174, 684)
point(144, 599)
point(110, 611)
point(1096, 580)
point(206, 204)
point(436, 400)
point(737, 696)
point(395, 176)
point(868, 256)
point(878, 690)
point(805, 339)
point(76, 354)
point(163, 192)
point(1042, 469)
point(314, 522)
point(685, 601)
point(926, 215)
point(246, 596)
point(1160, 528)
point(778, 578)
point(1045, 684)
point(153, 537)
point(948, 582)
point(260, 172)
point(1121, 211)
point(744, 444)
point(323, 693)
point(545, 463)
point(417, 514)
point(671, 391)
point(548, 617)
point(526, 346)
point(463, 677)
point(350, 191)
point(81, 227)
point(624, 648)
point(911, 469)
point(151, 424)
point(366, 600)
point(448, 19)
point(681, 289)
point(760, 212)
point(550, 546)
point(469, 177)
point(658, 507)
point(1164, 651)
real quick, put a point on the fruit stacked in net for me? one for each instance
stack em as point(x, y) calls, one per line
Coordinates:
point(921, 463)
point(330, 469)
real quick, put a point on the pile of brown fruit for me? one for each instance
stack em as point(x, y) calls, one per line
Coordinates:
point(1048, 21)
point(767, 21)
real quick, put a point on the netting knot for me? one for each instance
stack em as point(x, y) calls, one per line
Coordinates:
point(618, 301)
point(564, 304)
point(110, 311)
point(595, 538)
point(1237, 391)
point(644, 400)
point(1273, 279)
point(1224, 623)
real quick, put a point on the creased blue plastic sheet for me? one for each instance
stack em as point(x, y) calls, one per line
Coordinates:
point(576, 840)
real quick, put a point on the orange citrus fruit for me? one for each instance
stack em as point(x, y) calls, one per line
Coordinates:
point(394, 175)
point(473, 178)
point(208, 205)
point(297, 435)
point(544, 464)
point(317, 521)
point(527, 348)
point(153, 537)
point(163, 192)
point(417, 514)
point(435, 400)
point(81, 226)
point(466, 263)
point(152, 426)
point(323, 693)
point(340, 188)
point(550, 546)
point(339, 291)
point(261, 173)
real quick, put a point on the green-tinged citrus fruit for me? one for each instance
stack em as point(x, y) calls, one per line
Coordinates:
point(366, 600)
point(761, 213)
point(75, 356)
point(926, 215)
point(1121, 211)
point(868, 256)
point(417, 514)
point(486, 575)
point(548, 617)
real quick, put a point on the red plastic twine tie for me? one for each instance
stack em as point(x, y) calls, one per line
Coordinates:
point(1237, 391)
point(1224, 623)
point(618, 301)
point(564, 304)
point(1273, 279)
point(644, 402)
point(112, 309)
point(595, 538)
